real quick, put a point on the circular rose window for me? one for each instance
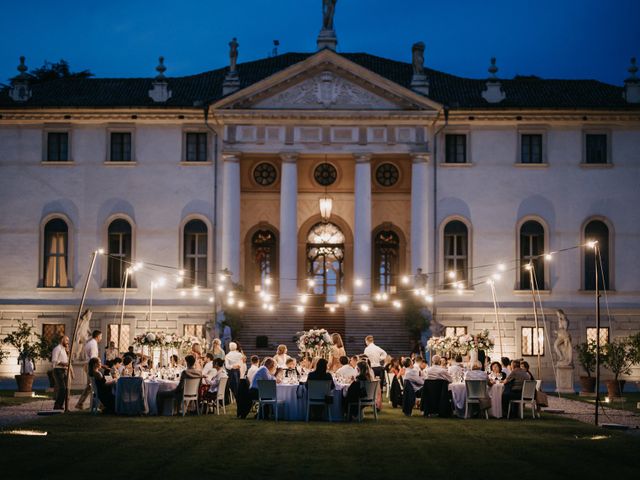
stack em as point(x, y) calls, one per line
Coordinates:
point(387, 174)
point(265, 174)
point(325, 174)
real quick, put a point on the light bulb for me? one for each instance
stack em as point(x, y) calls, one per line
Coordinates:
point(496, 276)
point(311, 282)
point(364, 307)
point(451, 275)
point(230, 294)
point(342, 298)
point(300, 309)
point(527, 267)
point(231, 301)
point(332, 309)
point(405, 280)
point(181, 273)
point(397, 304)
point(271, 308)
point(592, 243)
point(212, 299)
point(138, 266)
point(221, 288)
point(548, 257)
point(502, 267)
point(241, 304)
point(101, 251)
point(429, 299)
point(222, 277)
point(358, 282)
point(303, 298)
point(489, 282)
point(268, 281)
point(183, 293)
point(265, 306)
point(377, 297)
point(384, 297)
point(160, 282)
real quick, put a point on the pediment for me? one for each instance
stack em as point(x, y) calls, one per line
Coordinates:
point(326, 81)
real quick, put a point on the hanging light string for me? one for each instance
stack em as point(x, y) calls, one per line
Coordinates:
point(223, 278)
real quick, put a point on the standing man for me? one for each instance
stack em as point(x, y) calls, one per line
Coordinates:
point(90, 351)
point(376, 356)
point(60, 361)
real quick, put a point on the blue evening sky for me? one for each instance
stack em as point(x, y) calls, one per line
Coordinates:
point(548, 38)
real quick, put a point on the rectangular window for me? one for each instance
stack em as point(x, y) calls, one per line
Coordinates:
point(455, 331)
point(118, 335)
point(52, 332)
point(195, 330)
point(604, 335)
point(455, 148)
point(120, 147)
point(57, 147)
point(531, 148)
point(596, 145)
point(196, 147)
point(195, 259)
point(55, 260)
point(531, 345)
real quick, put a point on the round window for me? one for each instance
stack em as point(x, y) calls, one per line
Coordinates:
point(265, 174)
point(325, 174)
point(387, 174)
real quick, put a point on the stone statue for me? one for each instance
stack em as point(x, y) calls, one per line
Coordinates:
point(562, 345)
point(233, 54)
point(437, 329)
point(328, 12)
point(81, 336)
point(418, 58)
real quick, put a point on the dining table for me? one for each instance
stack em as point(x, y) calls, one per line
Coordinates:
point(292, 401)
point(152, 387)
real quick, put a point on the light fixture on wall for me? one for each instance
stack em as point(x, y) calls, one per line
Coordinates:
point(326, 204)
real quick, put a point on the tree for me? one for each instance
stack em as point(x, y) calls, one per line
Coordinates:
point(28, 350)
point(51, 71)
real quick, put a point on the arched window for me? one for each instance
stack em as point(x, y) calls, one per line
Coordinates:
point(531, 249)
point(456, 253)
point(386, 260)
point(264, 252)
point(195, 254)
point(596, 230)
point(325, 257)
point(119, 253)
point(56, 254)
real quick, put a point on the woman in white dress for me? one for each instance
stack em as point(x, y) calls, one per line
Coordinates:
point(281, 356)
point(337, 351)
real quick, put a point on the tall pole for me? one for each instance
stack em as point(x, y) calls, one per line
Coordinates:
point(535, 318)
point(495, 307)
point(151, 304)
point(124, 299)
point(595, 257)
point(75, 327)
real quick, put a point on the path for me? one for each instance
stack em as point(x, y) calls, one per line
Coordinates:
point(584, 412)
point(16, 414)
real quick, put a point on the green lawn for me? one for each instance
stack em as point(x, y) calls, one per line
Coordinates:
point(7, 398)
point(629, 401)
point(394, 447)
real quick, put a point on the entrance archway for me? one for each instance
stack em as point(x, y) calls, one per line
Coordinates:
point(325, 253)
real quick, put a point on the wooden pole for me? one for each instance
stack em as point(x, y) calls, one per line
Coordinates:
point(595, 257)
point(495, 307)
point(535, 319)
point(75, 327)
point(150, 305)
point(124, 298)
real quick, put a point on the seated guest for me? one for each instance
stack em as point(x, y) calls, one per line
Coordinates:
point(513, 384)
point(437, 371)
point(217, 373)
point(423, 365)
point(130, 353)
point(496, 375)
point(346, 371)
point(216, 349)
point(196, 351)
point(356, 391)
point(116, 368)
point(525, 366)
point(476, 373)
point(174, 361)
point(110, 352)
point(207, 370)
point(265, 372)
point(105, 390)
point(412, 375)
point(255, 365)
point(291, 370)
point(320, 373)
point(176, 393)
point(506, 365)
point(281, 356)
point(127, 366)
point(455, 369)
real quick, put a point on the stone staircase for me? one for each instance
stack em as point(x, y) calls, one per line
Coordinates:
point(281, 326)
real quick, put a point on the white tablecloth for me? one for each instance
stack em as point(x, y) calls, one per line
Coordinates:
point(155, 386)
point(293, 408)
point(459, 394)
point(495, 392)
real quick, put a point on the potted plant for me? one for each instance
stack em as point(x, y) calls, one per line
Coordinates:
point(618, 359)
point(587, 359)
point(28, 353)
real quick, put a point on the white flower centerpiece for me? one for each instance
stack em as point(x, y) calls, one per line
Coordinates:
point(315, 343)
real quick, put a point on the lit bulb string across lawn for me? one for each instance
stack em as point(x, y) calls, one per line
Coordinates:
point(266, 296)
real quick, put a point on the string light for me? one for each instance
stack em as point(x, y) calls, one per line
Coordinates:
point(268, 281)
point(265, 306)
point(241, 304)
point(452, 275)
point(428, 299)
point(528, 267)
point(300, 309)
point(358, 282)
point(592, 243)
point(342, 298)
point(303, 298)
point(220, 288)
point(332, 309)
point(548, 257)
point(222, 277)
point(212, 299)
point(138, 266)
point(496, 276)
point(231, 301)
point(101, 251)
point(271, 307)
point(183, 293)
point(397, 304)
point(364, 307)
point(181, 273)
point(489, 282)
point(311, 282)
point(196, 291)
point(384, 297)
point(377, 297)
point(405, 280)
point(230, 294)
point(160, 282)
point(502, 267)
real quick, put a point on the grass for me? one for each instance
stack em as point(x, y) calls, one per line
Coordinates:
point(395, 447)
point(7, 398)
point(629, 401)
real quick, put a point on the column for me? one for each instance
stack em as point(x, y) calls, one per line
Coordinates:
point(420, 212)
point(289, 228)
point(231, 214)
point(362, 229)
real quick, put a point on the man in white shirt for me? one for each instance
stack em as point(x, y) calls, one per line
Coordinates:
point(217, 373)
point(255, 365)
point(412, 375)
point(208, 367)
point(60, 361)
point(376, 356)
point(477, 373)
point(90, 351)
point(266, 372)
point(437, 371)
point(346, 371)
point(234, 359)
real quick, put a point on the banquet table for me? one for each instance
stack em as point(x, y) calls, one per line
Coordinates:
point(292, 402)
point(459, 394)
point(495, 393)
point(152, 388)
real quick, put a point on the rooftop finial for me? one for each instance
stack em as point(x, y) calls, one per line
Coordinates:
point(327, 37)
point(493, 69)
point(161, 68)
point(22, 68)
point(20, 91)
point(233, 54)
point(231, 81)
point(633, 69)
point(419, 80)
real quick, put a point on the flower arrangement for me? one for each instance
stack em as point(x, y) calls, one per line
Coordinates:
point(157, 339)
point(186, 342)
point(461, 345)
point(484, 341)
point(315, 343)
